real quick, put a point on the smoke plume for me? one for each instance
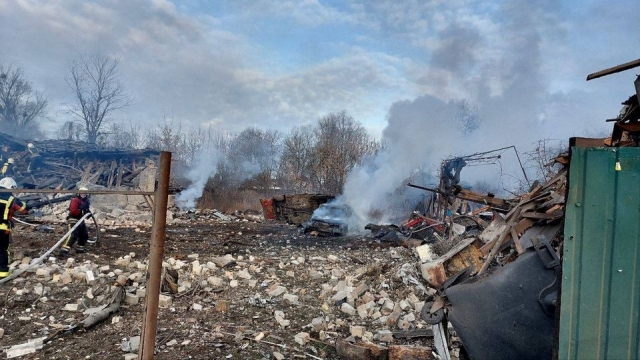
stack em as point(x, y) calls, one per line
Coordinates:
point(499, 76)
point(199, 174)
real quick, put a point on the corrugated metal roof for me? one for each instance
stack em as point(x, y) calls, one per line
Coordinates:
point(600, 297)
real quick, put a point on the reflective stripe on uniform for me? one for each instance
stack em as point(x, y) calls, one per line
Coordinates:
point(66, 243)
point(4, 222)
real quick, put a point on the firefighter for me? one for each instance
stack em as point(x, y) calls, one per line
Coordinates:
point(9, 204)
point(34, 157)
point(78, 207)
point(7, 168)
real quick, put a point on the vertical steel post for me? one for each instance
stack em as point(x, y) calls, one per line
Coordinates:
point(156, 252)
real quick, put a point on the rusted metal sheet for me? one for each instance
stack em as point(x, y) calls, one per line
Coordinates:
point(298, 208)
point(267, 209)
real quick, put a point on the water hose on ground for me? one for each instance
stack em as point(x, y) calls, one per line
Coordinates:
point(95, 222)
point(38, 261)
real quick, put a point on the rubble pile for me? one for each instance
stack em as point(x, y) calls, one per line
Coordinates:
point(62, 164)
point(240, 287)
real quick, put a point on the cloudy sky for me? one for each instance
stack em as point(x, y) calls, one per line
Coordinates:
point(277, 64)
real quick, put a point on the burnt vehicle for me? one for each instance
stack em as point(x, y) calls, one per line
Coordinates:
point(329, 219)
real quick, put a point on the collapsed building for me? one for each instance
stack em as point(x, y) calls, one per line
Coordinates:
point(65, 164)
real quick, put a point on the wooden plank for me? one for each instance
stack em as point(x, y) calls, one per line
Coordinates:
point(543, 216)
point(516, 240)
point(404, 352)
point(523, 225)
point(112, 169)
point(96, 175)
point(119, 177)
point(87, 172)
point(133, 174)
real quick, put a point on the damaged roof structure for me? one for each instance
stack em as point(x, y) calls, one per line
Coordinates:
point(64, 163)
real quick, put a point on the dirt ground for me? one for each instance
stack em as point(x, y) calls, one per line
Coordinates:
point(271, 253)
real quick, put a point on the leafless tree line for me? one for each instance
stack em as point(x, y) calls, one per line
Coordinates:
point(98, 94)
point(312, 158)
point(20, 105)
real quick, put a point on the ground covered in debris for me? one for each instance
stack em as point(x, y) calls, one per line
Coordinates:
point(246, 290)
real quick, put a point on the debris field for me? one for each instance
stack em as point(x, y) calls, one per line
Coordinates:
point(245, 289)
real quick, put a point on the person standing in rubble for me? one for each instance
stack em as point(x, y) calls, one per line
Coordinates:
point(34, 157)
point(9, 205)
point(78, 207)
point(4, 153)
point(8, 168)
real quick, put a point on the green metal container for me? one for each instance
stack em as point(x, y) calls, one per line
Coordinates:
point(600, 297)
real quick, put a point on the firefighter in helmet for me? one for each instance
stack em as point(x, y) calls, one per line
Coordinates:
point(7, 168)
point(9, 204)
point(34, 157)
point(78, 207)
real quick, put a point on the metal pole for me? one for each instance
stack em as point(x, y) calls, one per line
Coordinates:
point(156, 252)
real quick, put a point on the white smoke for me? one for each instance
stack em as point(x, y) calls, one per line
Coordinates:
point(203, 169)
point(500, 74)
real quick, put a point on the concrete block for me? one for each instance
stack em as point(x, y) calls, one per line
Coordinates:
point(131, 299)
point(348, 309)
point(215, 281)
point(141, 293)
point(356, 331)
point(385, 336)
point(302, 338)
point(276, 290)
point(244, 274)
point(165, 301)
point(291, 298)
point(91, 279)
point(318, 323)
point(71, 307)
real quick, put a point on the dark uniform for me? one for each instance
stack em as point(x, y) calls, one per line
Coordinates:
point(34, 158)
point(8, 206)
point(78, 207)
point(7, 169)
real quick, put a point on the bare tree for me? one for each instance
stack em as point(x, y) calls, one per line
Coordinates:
point(69, 131)
point(20, 105)
point(94, 79)
point(254, 154)
point(297, 159)
point(167, 137)
point(540, 160)
point(120, 137)
point(341, 144)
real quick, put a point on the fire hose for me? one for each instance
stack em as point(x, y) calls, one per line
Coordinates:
point(95, 223)
point(39, 260)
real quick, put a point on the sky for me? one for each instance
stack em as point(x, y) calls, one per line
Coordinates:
point(277, 64)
